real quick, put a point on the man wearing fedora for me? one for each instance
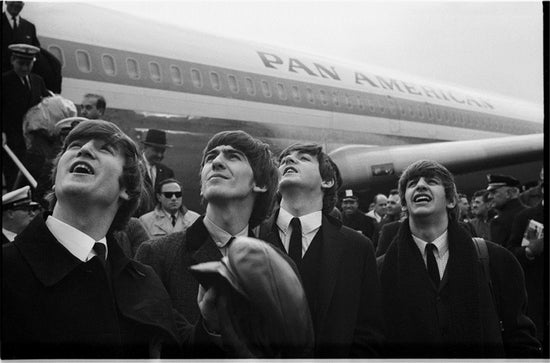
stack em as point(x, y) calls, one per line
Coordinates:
point(21, 90)
point(154, 147)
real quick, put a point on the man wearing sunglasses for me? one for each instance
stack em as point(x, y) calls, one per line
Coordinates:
point(18, 210)
point(169, 215)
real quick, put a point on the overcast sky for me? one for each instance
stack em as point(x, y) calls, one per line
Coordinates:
point(493, 46)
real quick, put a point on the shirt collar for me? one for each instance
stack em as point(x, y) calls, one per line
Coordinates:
point(9, 234)
point(219, 235)
point(441, 242)
point(309, 221)
point(78, 243)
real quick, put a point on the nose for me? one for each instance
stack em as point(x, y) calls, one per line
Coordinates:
point(289, 159)
point(421, 184)
point(88, 149)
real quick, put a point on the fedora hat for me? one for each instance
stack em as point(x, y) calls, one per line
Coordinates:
point(156, 138)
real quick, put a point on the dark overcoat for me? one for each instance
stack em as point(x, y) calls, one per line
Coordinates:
point(347, 317)
point(55, 306)
point(461, 318)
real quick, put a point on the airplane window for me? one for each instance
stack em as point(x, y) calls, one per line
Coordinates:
point(108, 64)
point(360, 103)
point(196, 78)
point(215, 81)
point(381, 105)
point(281, 91)
point(323, 96)
point(295, 93)
point(420, 111)
point(132, 68)
point(175, 73)
point(430, 112)
point(348, 101)
point(83, 61)
point(58, 53)
point(392, 105)
point(335, 99)
point(154, 71)
point(233, 84)
point(266, 89)
point(250, 88)
point(370, 102)
point(310, 97)
point(437, 113)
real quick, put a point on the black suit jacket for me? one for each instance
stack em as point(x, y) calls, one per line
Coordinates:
point(16, 101)
point(26, 33)
point(348, 318)
point(55, 306)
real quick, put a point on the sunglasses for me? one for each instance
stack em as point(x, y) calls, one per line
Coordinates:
point(170, 194)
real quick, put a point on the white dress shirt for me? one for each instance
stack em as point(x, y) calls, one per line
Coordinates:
point(310, 225)
point(9, 234)
point(78, 243)
point(220, 236)
point(442, 253)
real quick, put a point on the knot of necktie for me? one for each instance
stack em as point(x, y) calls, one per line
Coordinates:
point(101, 251)
point(173, 220)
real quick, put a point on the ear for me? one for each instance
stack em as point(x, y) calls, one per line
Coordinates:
point(124, 194)
point(326, 184)
point(451, 204)
point(258, 189)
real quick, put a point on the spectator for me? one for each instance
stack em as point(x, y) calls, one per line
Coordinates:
point(238, 181)
point(18, 210)
point(380, 207)
point(260, 302)
point(68, 291)
point(154, 148)
point(336, 264)
point(353, 217)
point(21, 90)
point(437, 301)
point(504, 193)
point(393, 214)
point(527, 243)
point(480, 210)
point(15, 30)
point(93, 106)
point(464, 208)
point(170, 215)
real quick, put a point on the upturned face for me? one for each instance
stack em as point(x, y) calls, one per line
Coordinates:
point(91, 170)
point(425, 196)
point(299, 169)
point(227, 174)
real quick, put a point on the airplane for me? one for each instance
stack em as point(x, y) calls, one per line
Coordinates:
point(372, 122)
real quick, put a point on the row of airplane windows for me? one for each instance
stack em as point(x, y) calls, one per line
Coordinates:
point(376, 104)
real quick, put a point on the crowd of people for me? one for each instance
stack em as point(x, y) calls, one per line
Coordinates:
point(102, 259)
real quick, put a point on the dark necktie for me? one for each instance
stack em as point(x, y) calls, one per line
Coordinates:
point(100, 251)
point(295, 246)
point(14, 23)
point(433, 270)
point(173, 220)
point(26, 82)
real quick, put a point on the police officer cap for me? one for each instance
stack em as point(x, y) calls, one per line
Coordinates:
point(17, 198)
point(349, 195)
point(25, 51)
point(496, 181)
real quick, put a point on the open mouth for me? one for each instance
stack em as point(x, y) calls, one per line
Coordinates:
point(289, 170)
point(217, 176)
point(420, 198)
point(82, 168)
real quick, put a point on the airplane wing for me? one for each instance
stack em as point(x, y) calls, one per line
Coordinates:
point(363, 166)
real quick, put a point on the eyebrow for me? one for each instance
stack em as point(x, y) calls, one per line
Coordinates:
point(225, 151)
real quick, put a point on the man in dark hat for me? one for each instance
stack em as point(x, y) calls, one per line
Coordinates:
point(18, 210)
point(21, 90)
point(504, 193)
point(15, 30)
point(352, 217)
point(154, 147)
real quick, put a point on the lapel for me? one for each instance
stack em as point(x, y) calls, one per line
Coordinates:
point(200, 245)
point(40, 252)
point(269, 232)
point(331, 261)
